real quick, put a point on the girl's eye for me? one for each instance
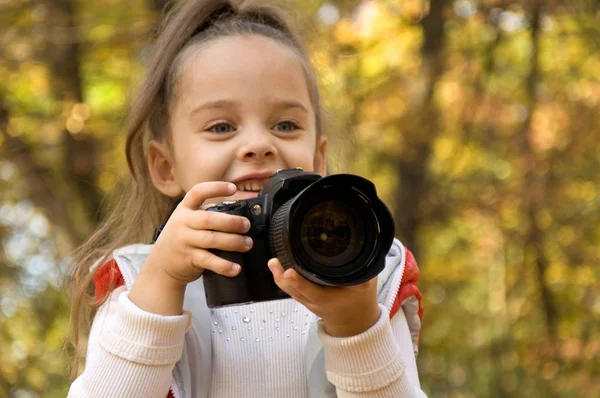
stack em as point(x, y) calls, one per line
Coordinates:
point(221, 128)
point(286, 126)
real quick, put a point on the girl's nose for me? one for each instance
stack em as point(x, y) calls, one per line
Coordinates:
point(257, 146)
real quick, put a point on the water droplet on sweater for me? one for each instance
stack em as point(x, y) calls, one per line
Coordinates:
point(246, 319)
point(241, 339)
point(257, 339)
point(233, 328)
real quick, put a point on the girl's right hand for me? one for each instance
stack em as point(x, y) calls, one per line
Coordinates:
point(181, 253)
point(182, 249)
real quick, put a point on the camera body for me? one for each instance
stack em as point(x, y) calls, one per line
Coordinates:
point(332, 230)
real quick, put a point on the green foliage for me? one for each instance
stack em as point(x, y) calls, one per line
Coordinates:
point(483, 137)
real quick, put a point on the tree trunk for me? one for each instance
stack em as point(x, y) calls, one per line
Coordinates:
point(78, 147)
point(40, 183)
point(534, 184)
point(421, 130)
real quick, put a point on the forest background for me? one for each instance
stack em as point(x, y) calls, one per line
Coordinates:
point(478, 121)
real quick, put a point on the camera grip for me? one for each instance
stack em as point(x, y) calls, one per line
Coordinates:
point(224, 290)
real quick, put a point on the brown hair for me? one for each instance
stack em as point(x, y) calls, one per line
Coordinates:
point(141, 207)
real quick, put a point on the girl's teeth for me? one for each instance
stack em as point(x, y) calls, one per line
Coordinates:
point(250, 186)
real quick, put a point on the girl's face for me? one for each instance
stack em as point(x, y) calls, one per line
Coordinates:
point(241, 111)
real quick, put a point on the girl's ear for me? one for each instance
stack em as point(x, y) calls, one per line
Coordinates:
point(160, 166)
point(320, 163)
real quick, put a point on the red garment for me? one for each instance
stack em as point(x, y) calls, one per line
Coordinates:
point(102, 280)
point(408, 287)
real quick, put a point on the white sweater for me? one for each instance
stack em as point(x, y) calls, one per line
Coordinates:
point(257, 353)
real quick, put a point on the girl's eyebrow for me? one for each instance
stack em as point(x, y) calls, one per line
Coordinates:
point(281, 104)
point(214, 105)
point(287, 104)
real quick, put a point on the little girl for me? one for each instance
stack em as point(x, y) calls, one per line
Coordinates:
point(229, 99)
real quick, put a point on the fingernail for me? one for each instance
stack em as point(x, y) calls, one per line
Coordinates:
point(248, 242)
point(231, 188)
point(246, 223)
point(236, 268)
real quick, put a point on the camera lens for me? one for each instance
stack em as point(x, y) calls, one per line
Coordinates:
point(330, 233)
point(334, 233)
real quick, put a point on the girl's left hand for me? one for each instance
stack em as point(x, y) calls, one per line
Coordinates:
point(346, 310)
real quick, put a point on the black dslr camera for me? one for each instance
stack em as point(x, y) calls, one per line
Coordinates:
point(332, 230)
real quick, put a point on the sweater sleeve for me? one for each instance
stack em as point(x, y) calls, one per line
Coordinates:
point(379, 363)
point(131, 353)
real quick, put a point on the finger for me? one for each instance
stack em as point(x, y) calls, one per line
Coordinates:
point(203, 259)
point(278, 275)
point(200, 192)
point(223, 222)
point(291, 277)
point(298, 296)
point(220, 240)
point(311, 290)
point(276, 268)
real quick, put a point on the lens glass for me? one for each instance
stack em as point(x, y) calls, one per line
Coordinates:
point(331, 233)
